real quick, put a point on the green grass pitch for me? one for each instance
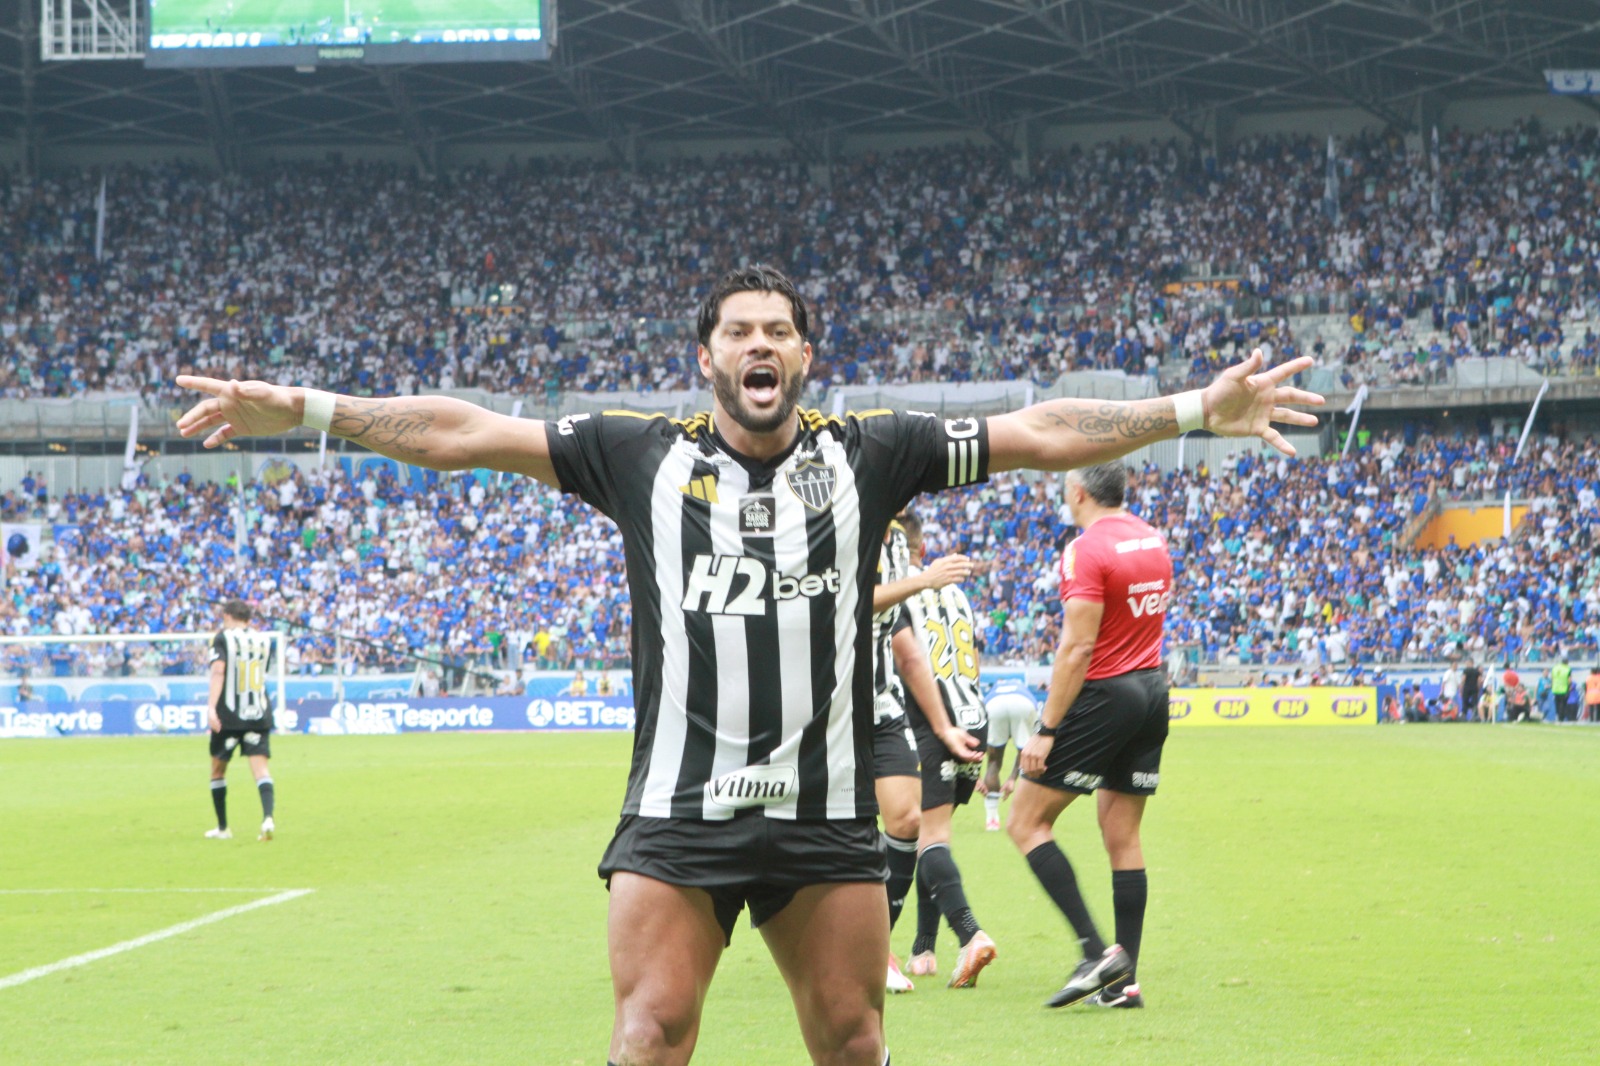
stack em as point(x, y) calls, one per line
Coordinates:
point(382, 16)
point(1404, 894)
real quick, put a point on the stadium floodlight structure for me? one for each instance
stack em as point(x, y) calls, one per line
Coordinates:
point(89, 29)
point(159, 668)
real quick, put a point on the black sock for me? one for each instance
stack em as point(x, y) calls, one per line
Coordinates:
point(902, 870)
point(264, 786)
point(927, 915)
point(1054, 872)
point(219, 800)
point(944, 883)
point(1129, 891)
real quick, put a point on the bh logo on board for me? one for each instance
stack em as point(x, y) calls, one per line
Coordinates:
point(1177, 709)
point(1232, 707)
point(1350, 706)
point(1291, 708)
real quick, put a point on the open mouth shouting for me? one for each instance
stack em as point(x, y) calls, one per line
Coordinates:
point(762, 384)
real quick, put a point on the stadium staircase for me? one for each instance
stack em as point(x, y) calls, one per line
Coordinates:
point(1420, 521)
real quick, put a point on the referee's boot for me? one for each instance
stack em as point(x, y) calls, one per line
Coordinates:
point(1091, 976)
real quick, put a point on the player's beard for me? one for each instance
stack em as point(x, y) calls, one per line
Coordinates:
point(727, 388)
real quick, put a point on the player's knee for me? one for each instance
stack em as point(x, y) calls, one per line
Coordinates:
point(849, 1039)
point(651, 1031)
point(905, 823)
point(1025, 832)
point(862, 1049)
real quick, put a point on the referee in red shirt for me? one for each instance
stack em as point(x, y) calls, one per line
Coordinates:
point(1103, 725)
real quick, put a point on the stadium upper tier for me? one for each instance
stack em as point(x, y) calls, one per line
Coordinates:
point(1279, 561)
point(929, 265)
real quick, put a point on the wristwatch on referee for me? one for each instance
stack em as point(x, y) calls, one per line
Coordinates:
point(1046, 730)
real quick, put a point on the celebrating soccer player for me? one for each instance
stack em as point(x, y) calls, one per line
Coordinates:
point(752, 535)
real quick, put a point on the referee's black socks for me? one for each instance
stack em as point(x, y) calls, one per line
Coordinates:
point(1054, 872)
point(1129, 891)
point(902, 870)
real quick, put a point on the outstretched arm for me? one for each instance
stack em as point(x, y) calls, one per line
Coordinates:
point(1063, 434)
point(438, 432)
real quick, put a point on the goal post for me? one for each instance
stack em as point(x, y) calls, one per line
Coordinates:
point(89, 667)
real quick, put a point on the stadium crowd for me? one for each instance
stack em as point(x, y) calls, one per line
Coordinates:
point(932, 264)
point(1279, 562)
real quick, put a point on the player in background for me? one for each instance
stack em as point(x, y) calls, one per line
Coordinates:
point(241, 713)
point(942, 620)
point(1103, 726)
point(895, 760)
point(1013, 712)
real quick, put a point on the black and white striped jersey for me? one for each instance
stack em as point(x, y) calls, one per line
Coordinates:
point(248, 658)
point(889, 697)
point(943, 619)
point(752, 597)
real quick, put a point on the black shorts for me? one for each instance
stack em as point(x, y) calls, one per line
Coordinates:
point(248, 741)
point(894, 749)
point(749, 860)
point(945, 779)
point(1112, 736)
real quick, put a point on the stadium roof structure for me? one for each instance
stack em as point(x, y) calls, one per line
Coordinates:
point(626, 74)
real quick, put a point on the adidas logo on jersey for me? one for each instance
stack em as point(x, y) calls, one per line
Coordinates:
point(701, 488)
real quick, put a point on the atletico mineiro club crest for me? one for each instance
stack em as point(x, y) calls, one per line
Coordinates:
point(813, 482)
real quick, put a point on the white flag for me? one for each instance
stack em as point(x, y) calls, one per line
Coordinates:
point(100, 222)
point(1533, 412)
point(1434, 197)
point(1330, 185)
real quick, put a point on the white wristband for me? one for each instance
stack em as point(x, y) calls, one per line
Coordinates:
point(1190, 409)
point(319, 410)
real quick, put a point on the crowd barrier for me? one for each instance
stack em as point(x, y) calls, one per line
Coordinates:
point(612, 713)
point(1272, 706)
point(113, 718)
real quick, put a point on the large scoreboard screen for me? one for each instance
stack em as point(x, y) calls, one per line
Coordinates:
point(307, 33)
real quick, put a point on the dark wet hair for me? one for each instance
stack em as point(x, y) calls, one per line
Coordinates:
point(758, 277)
point(237, 609)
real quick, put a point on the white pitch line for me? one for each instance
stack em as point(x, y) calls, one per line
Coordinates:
point(150, 891)
point(149, 938)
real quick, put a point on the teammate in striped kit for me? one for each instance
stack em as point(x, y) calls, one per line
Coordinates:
point(900, 663)
point(942, 620)
point(241, 712)
point(751, 781)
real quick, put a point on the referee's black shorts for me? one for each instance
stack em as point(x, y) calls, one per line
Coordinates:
point(1112, 736)
point(747, 860)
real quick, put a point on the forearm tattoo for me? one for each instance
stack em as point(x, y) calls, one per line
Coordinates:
point(382, 424)
point(1108, 423)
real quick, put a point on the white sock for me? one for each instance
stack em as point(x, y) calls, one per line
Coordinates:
point(991, 802)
